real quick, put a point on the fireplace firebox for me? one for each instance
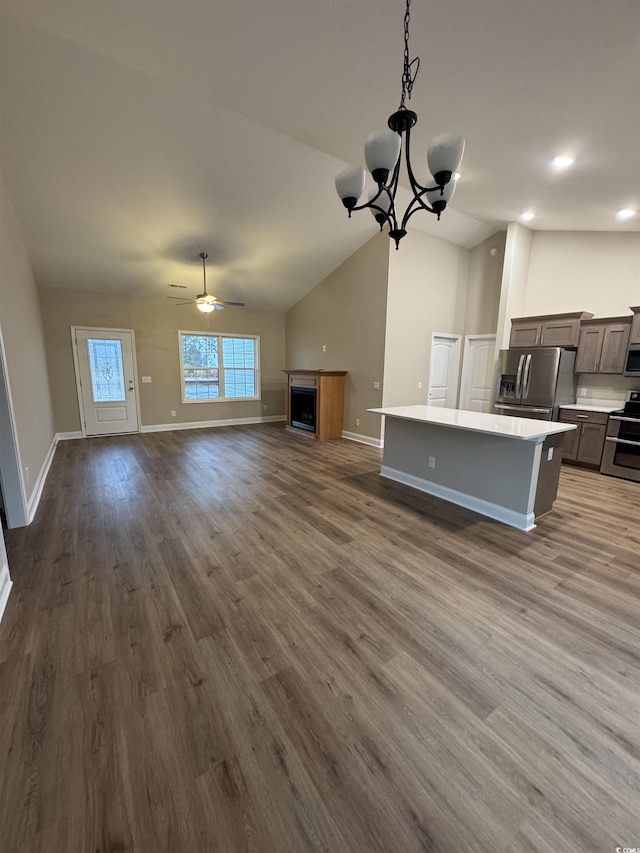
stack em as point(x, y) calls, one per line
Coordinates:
point(303, 408)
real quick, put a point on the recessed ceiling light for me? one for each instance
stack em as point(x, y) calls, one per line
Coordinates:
point(626, 213)
point(527, 216)
point(562, 161)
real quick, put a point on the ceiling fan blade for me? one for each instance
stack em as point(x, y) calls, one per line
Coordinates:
point(218, 306)
point(181, 298)
point(235, 304)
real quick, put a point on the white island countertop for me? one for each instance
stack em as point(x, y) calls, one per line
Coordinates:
point(505, 426)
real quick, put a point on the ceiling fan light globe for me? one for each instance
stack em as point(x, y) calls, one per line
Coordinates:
point(205, 307)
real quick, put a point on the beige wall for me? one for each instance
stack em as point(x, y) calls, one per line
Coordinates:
point(21, 327)
point(583, 271)
point(483, 290)
point(515, 280)
point(346, 313)
point(156, 323)
point(427, 293)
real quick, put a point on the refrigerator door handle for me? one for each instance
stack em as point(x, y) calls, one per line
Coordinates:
point(527, 376)
point(519, 377)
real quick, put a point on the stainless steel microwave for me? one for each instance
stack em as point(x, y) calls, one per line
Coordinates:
point(632, 364)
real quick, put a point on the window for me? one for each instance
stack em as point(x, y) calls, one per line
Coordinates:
point(219, 367)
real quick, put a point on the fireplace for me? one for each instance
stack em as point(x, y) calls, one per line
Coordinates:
point(303, 408)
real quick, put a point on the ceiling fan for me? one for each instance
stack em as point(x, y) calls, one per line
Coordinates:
point(204, 301)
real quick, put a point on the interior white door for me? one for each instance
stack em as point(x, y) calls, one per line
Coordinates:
point(478, 373)
point(107, 386)
point(443, 370)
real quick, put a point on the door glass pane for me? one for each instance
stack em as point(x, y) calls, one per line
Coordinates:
point(107, 372)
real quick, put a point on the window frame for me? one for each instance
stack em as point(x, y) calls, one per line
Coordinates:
point(221, 368)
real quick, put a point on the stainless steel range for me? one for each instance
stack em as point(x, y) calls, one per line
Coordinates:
point(621, 456)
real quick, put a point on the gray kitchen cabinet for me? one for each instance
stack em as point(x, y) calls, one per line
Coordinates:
point(584, 446)
point(548, 330)
point(603, 345)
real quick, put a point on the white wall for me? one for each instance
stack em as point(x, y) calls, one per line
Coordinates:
point(427, 292)
point(24, 353)
point(515, 280)
point(583, 271)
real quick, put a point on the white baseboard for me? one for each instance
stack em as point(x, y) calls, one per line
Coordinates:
point(5, 588)
point(363, 439)
point(270, 419)
point(68, 436)
point(520, 520)
point(36, 494)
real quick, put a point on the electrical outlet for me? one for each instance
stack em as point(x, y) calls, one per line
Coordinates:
point(265, 408)
point(357, 421)
point(173, 413)
point(324, 348)
point(583, 392)
point(432, 462)
point(419, 386)
point(550, 454)
point(376, 386)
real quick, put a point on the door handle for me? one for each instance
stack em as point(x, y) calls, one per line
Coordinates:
point(527, 376)
point(519, 376)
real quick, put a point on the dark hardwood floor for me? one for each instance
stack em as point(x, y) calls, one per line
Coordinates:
point(238, 639)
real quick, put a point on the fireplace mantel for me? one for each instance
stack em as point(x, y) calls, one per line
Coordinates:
point(327, 389)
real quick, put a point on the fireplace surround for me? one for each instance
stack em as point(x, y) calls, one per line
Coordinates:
point(315, 402)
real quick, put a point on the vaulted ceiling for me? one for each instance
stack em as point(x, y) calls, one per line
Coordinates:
point(137, 134)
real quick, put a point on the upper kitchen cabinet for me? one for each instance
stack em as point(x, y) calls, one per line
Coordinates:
point(603, 345)
point(550, 330)
point(635, 326)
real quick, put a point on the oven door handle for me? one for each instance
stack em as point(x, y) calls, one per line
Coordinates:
point(623, 441)
point(626, 420)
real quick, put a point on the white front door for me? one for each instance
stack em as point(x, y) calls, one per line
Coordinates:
point(478, 373)
point(107, 380)
point(443, 370)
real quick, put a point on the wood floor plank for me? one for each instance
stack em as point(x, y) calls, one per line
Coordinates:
point(236, 639)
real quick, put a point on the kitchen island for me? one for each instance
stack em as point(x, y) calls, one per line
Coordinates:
point(503, 467)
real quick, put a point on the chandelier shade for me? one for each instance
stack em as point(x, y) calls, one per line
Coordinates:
point(445, 154)
point(383, 156)
point(350, 185)
point(381, 153)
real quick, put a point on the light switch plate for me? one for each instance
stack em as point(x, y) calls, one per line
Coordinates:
point(146, 379)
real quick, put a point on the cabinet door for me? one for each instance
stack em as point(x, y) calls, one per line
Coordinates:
point(560, 333)
point(591, 443)
point(571, 440)
point(524, 334)
point(614, 348)
point(589, 349)
point(635, 328)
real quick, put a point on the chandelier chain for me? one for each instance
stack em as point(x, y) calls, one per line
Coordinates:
point(411, 68)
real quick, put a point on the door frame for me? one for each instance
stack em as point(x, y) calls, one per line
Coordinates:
point(465, 377)
point(456, 372)
point(76, 367)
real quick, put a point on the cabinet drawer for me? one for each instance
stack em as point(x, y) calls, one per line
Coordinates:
point(579, 416)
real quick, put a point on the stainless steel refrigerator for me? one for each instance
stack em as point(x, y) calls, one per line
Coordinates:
point(533, 383)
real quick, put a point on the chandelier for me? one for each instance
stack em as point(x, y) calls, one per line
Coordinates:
point(383, 157)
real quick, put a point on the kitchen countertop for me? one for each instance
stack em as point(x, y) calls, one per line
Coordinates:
point(504, 426)
point(606, 409)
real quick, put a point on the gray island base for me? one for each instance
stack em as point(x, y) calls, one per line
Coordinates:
point(503, 467)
